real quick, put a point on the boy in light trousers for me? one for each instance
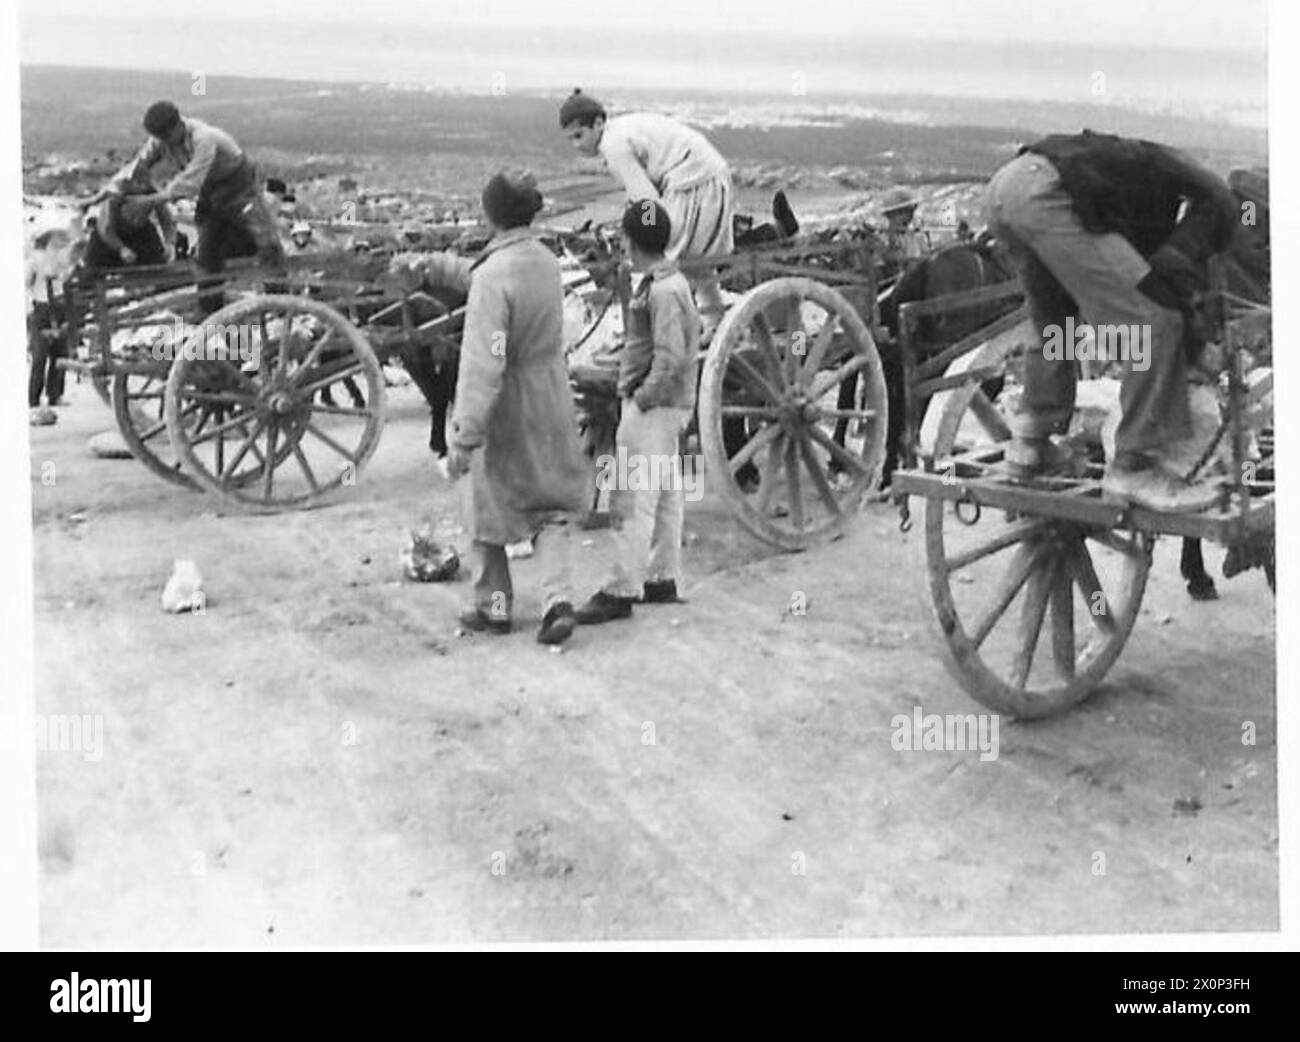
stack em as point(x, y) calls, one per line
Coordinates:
point(657, 385)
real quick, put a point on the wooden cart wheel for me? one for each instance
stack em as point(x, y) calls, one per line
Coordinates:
point(1034, 611)
point(103, 386)
point(138, 403)
point(274, 442)
point(768, 408)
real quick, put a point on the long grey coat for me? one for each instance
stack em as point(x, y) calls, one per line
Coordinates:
point(513, 399)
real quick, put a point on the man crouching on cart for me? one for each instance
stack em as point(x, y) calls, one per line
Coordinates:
point(1093, 223)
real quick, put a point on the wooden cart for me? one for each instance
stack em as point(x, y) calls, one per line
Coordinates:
point(237, 407)
point(1051, 565)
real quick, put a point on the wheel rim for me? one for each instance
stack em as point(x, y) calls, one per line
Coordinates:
point(138, 401)
point(788, 365)
point(1034, 612)
point(274, 442)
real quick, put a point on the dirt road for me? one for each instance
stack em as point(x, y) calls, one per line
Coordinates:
point(319, 759)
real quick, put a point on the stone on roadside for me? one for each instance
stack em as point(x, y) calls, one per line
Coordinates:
point(109, 445)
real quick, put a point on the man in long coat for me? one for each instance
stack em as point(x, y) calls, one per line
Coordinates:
point(514, 431)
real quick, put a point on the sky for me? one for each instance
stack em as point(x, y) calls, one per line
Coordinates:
point(1238, 25)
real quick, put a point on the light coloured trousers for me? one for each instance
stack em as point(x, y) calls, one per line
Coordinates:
point(1068, 270)
point(702, 226)
point(553, 555)
point(649, 545)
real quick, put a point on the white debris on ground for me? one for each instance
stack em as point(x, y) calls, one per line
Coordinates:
point(184, 589)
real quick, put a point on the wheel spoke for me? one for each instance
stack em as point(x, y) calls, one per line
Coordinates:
point(333, 378)
point(1018, 570)
point(767, 411)
point(989, 417)
point(767, 345)
point(286, 338)
point(741, 366)
point(153, 430)
point(1063, 652)
point(295, 444)
point(768, 477)
point(248, 443)
point(838, 451)
point(224, 425)
point(825, 336)
point(268, 464)
point(1094, 597)
point(818, 475)
point(311, 358)
point(748, 450)
point(835, 377)
point(796, 488)
point(847, 414)
point(328, 440)
point(1031, 621)
point(1016, 533)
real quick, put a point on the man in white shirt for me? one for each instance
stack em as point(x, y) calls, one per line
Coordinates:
point(659, 158)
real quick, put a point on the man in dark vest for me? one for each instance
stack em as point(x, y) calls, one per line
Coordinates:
point(1118, 231)
point(230, 210)
point(123, 236)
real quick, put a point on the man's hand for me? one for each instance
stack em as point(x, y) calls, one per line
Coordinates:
point(127, 254)
point(458, 460)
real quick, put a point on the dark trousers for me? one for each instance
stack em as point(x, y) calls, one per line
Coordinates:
point(47, 348)
point(145, 241)
point(239, 228)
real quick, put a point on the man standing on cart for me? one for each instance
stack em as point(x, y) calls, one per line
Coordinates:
point(230, 210)
point(661, 159)
point(1120, 231)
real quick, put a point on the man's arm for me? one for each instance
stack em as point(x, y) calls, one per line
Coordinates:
point(668, 324)
point(187, 183)
point(482, 362)
point(624, 165)
point(105, 225)
point(149, 154)
point(166, 224)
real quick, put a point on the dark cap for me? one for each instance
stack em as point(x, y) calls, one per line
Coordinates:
point(648, 225)
point(161, 118)
point(581, 108)
point(511, 198)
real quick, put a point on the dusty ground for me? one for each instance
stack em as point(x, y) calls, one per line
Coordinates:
point(318, 759)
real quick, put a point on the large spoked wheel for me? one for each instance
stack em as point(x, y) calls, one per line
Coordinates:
point(138, 403)
point(1034, 611)
point(769, 404)
point(296, 397)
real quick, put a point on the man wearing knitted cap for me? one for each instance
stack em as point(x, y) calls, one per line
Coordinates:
point(660, 159)
point(514, 431)
point(230, 210)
